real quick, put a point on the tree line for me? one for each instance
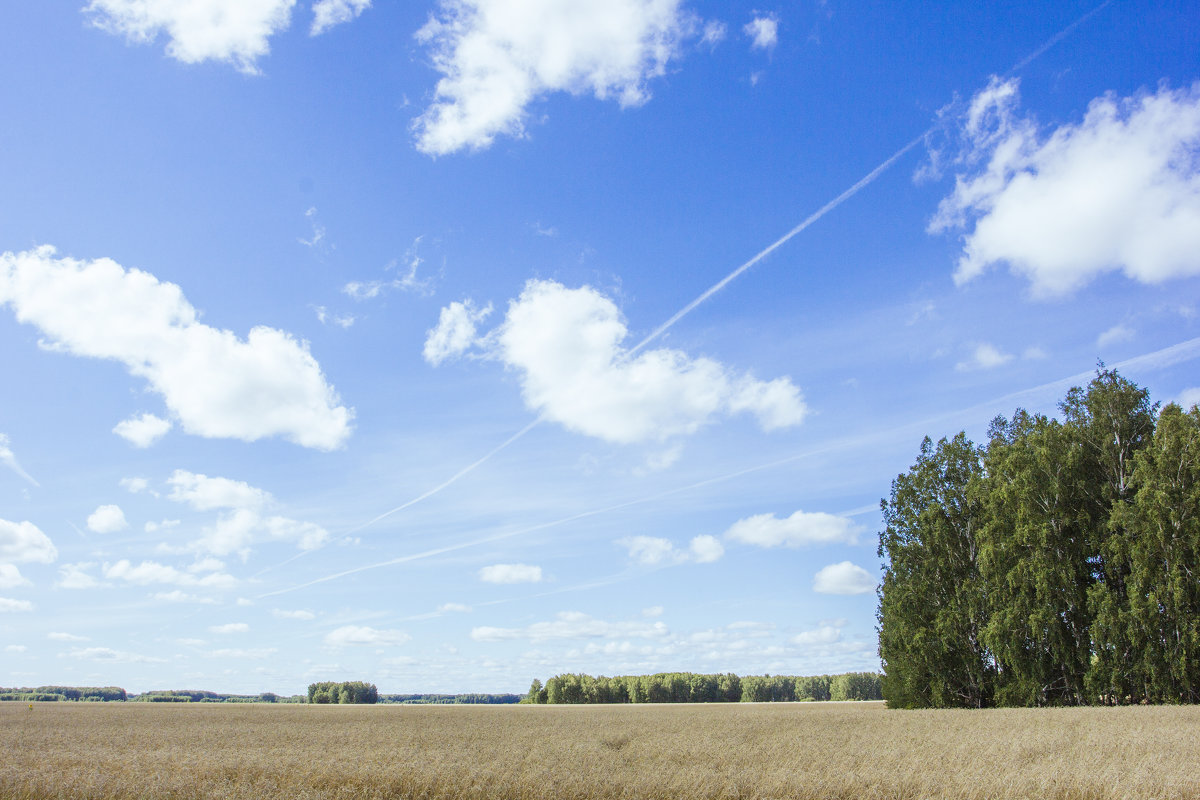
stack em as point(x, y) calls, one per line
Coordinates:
point(1055, 565)
point(471, 698)
point(64, 693)
point(690, 687)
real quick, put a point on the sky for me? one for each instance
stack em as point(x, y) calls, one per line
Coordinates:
point(451, 344)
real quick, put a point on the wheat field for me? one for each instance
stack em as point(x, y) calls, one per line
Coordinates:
point(802, 750)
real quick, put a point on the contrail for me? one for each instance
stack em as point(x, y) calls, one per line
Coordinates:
point(862, 183)
point(1158, 359)
point(465, 470)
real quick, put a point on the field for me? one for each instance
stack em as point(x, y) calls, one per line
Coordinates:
point(809, 750)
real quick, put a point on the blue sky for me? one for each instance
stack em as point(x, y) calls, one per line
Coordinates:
point(342, 338)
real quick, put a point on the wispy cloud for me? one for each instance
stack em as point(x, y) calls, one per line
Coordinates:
point(9, 460)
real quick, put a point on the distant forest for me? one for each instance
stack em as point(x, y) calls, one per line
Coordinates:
point(690, 687)
point(1059, 564)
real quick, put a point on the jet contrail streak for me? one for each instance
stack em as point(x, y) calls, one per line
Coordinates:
point(863, 182)
point(467, 469)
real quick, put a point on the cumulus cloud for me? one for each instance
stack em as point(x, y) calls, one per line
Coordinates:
point(446, 608)
point(328, 13)
point(363, 635)
point(454, 333)
point(985, 356)
point(510, 573)
point(9, 460)
point(572, 625)
point(235, 532)
point(7, 604)
point(214, 384)
point(11, 577)
point(1189, 397)
point(843, 578)
point(205, 494)
point(151, 572)
point(24, 542)
point(567, 345)
point(801, 529)
point(764, 31)
point(1120, 191)
point(134, 485)
point(107, 519)
point(234, 31)
point(499, 56)
point(76, 576)
point(230, 627)
point(652, 550)
point(825, 634)
point(142, 431)
point(15, 648)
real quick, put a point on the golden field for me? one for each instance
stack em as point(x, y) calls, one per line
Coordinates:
point(802, 750)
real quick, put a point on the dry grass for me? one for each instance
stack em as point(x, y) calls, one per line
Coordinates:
point(811, 750)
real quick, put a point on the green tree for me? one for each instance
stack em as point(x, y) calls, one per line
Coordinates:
point(932, 600)
point(1163, 521)
point(1034, 555)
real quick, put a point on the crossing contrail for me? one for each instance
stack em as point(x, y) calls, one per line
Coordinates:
point(813, 218)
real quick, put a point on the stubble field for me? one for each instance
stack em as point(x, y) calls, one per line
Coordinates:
point(809, 750)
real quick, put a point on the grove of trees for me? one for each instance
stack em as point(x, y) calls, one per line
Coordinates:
point(1059, 564)
point(64, 693)
point(690, 687)
point(330, 692)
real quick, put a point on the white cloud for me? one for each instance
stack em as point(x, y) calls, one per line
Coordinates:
point(11, 577)
point(155, 527)
point(446, 608)
point(107, 519)
point(843, 578)
point(324, 316)
point(1118, 191)
point(714, 31)
point(985, 356)
point(572, 625)
point(653, 550)
point(134, 485)
point(76, 576)
point(706, 549)
point(498, 56)
point(59, 636)
point(235, 532)
point(799, 530)
point(1189, 398)
point(15, 648)
point(9, 460)
point(567, 346)
point(764, 31)
point(299, 614)
point(230, 627)
point(1114, 335)
point(825, 634)
point(204, 493)
point(150, 572)
point(234, 31)
point(652, 611)
point(142, 431)
point(7, 604)
point(108, 654)
point(214, 384)
point(511, 573)
point(23, 542)
point(328, 13)
point(455, 332)
point(363, 635)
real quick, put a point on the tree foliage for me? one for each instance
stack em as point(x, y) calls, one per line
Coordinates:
point(1057, 565)
point(690, 687)
point(345, 693)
